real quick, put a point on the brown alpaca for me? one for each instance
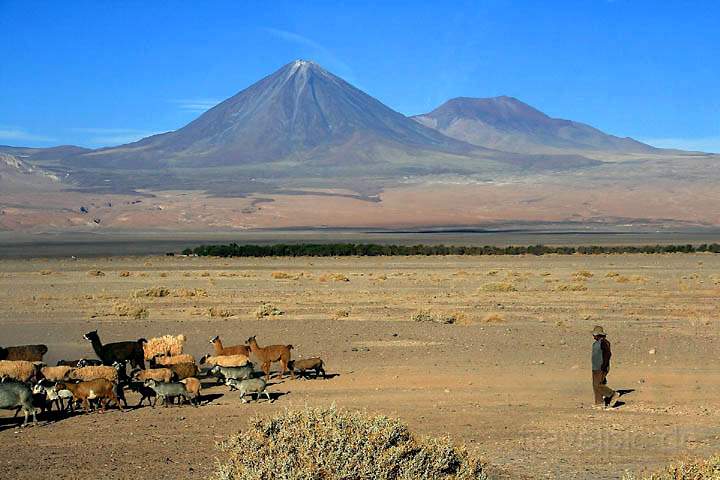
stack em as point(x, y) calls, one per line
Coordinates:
point(271, 353)
point(233, 350)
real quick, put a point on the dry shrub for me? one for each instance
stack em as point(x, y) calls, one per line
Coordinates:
point(492, 273)
point(582, 276)
point(699, 469)
point(130, 310)
point(187, 292)
point(205, 274)
point(630, 279)
point(494, 317)
point(163, 274)
point(612, 275)
point(220, 312)
point(334, 277)
point(571, 287)
point(445, 318)
point(45, 272)
point(342, 313)
point(283, 276)
point(96, 273)
point(156, 292)
point(268, 310)
point(499, 287)
point(124, 274)
point(331, 444)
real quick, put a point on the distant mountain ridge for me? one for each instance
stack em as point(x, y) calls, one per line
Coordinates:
point(506, 123)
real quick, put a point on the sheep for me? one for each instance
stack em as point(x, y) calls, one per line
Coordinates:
point(233, 350)
point(30, 353)
point(131, 351)
point(100, 388)
point(56, 374)
point(165, 360)
point(306, 364)
point(83, 362)
point(249, 386)
point(92, 373)
point(165, 345)
point(225, 360)
point(13, 395)
point(236, 373)
point(159, 374)
point(20, 370)
point(184, 370)
point(193, 386)
point(271, 353)
point(165, 391)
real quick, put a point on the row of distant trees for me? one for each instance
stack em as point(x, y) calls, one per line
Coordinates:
point(375, 250)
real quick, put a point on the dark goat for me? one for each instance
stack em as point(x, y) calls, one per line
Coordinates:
point(110, 353)
point(30, 353)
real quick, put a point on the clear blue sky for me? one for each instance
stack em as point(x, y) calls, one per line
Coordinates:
point(98, 72)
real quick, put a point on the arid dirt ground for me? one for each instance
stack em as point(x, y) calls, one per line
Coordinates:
point(511, 379)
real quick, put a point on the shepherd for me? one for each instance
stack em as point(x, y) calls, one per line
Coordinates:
point(600, 367)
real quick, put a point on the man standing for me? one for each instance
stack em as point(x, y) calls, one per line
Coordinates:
point(600, 367)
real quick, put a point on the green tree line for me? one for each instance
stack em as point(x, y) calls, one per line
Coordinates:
point(375, 250)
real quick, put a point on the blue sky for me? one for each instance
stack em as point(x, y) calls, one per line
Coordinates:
point(103, 73)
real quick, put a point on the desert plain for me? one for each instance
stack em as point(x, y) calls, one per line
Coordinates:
point(509, 377)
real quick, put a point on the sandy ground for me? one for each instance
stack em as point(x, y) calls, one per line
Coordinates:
point(512, 380)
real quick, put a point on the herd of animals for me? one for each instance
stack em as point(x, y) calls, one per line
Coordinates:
point(27, 384)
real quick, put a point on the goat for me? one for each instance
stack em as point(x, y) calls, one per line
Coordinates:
point(306, 364)
point(219, 350)
point(13, 395)
point(159, 374)
point(165, 391)
point(109, 353)
point(236, 373)
point(249, 387)
point(271, 353)
point(193, 386)
point(29, 353)
point(144, 391)
point(99, 388)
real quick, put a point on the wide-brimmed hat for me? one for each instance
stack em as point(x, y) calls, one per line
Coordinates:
point(598, 330)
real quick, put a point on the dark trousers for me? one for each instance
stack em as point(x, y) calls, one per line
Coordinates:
point(600, 388)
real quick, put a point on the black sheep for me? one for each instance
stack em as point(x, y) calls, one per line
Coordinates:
point(110, 353)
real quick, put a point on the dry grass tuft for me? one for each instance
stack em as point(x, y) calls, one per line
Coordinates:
point(570, 287)
point(163, 274)
point(284, 276)
point(96, 273)
point(333, 277)
point(156, 292)
point(445, 318)
point(708, 469)
point(267, 310)
point(342, 313)
point(187, 292)
point(124, 274)
point(494, 317)
point(631, 279)
point(612, 275)
point(45, 272)
point(582, 275)
point(219, 312)
point(499, 287)
point(331, 444)
point(130, 310)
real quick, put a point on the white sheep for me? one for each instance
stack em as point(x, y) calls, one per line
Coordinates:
point(20, 370)
point(167, 345)
point(93, 373)
point(226, 360)
point(56, 374)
